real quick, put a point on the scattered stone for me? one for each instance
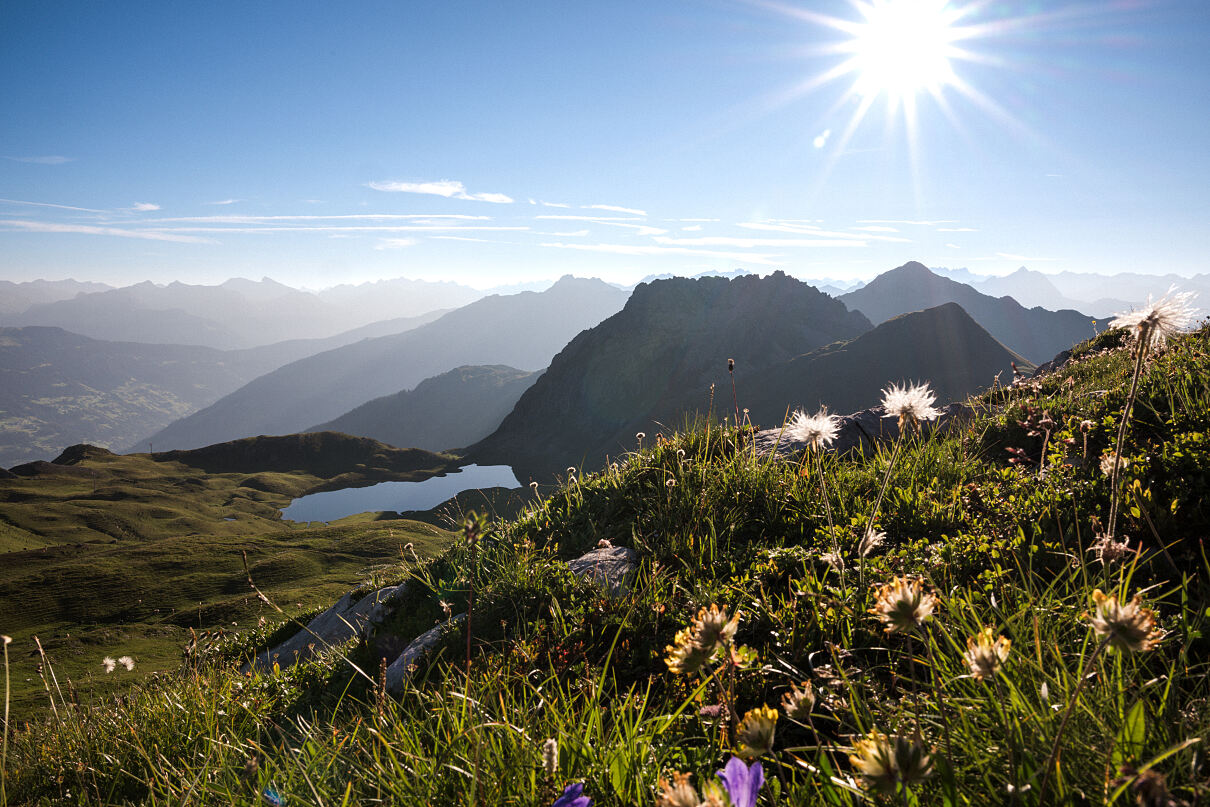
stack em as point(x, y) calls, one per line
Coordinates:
point(400, 670)
point(609, 567)
point(335, 626)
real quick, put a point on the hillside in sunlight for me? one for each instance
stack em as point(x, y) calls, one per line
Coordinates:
point(971, 609)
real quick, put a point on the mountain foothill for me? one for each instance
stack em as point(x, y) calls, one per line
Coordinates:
point(535, 379)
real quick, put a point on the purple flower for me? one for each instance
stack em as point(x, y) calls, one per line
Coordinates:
point(571, 797)
point(742, 782)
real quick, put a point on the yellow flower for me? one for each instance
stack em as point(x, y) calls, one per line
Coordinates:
point(885, 762)
point(754, 736)
point(903, 604)
point(693, 646)
point(798, 703)
point(1126, 627)
point(677, 793)
point(985, 654)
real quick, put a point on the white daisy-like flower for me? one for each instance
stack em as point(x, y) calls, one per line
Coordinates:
point(127, 662)
point(1159, 319)
point(818, 430)
point(109, 664)
point(910, 404)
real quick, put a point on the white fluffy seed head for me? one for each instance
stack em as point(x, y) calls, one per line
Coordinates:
point(910, 404)
point(817, 431)
point(1159, 319)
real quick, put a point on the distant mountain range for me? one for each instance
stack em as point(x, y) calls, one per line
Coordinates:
point(520, 330)
point(446, 411)
point(59, 388)
point(18, 297)
point(237, 314)
point(1035, 333)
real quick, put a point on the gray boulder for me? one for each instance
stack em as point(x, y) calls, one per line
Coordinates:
point(349, 617)
point(609, 567)
point(400, 670)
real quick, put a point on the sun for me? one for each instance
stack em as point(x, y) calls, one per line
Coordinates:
point(902, 47)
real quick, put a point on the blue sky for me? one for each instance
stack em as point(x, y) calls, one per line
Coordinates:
point(491, 142)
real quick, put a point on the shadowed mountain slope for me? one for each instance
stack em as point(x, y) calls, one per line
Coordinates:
point(446, 411)
point(657, 359)
point(943, 346)
point(520, 330)
point(1035, 333)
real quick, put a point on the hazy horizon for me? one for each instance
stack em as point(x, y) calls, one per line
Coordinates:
point(494, 145)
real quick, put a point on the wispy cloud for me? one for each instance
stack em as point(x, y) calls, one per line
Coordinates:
point(396, 243)
point(647, 250)
point(57, 227)
point(816, 232)
point(237, 219)
point(627, 222)
point(692, 228)
point(449, 188)
point(877, 228)
point(615, 209)
point(572, 234)
point(907, 221)
point(821, 139)
point(957, 230)
point(47, 204)
point(751, 243)
point(693, 220)
point(953, 246)
point(224, 202)
point(555, 204)
point(321, 228)
point(50, 159)
point(144, 207)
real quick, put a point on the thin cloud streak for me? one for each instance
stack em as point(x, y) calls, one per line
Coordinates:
point(449, 188)
point(55, 227)
point(392, 228)
point(50, 159)
point(47, 204)
point(640, 250)
point(616, 209)
point(750, 243)
point(347, 217)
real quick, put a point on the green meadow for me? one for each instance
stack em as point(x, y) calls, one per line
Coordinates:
point(955, 619)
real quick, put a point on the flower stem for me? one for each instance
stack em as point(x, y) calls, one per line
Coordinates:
point(1144, 338)
point(1052, 757)
point(827, 506)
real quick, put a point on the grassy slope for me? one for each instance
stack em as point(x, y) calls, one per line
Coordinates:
point(1001, 545)
point(122, 555)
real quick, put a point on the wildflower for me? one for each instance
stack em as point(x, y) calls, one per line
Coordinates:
point(1087, 425)
point(984, 655)
point(754, 736)
point(534, 487)
point(109, 664)
point(272, 798)
point(446, 608)
point(903, 604)
point(833, 559)
point(1126, 627)
point(870, 541)
point(678, 792)
point(572, 797)
point(885, 762)
point(712, 711)
point(1107, 461)
point(550, 757)
point(695, 645)
point(909, 404)
point(798, 703)
point(743, 782)
point(604, 543)
point(127, 662)
point(7, 640)
point(571, 471)
point(1155, 322)
point(818, 431)
point(671, 483)
point(640, 436)
point(1109, 550)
